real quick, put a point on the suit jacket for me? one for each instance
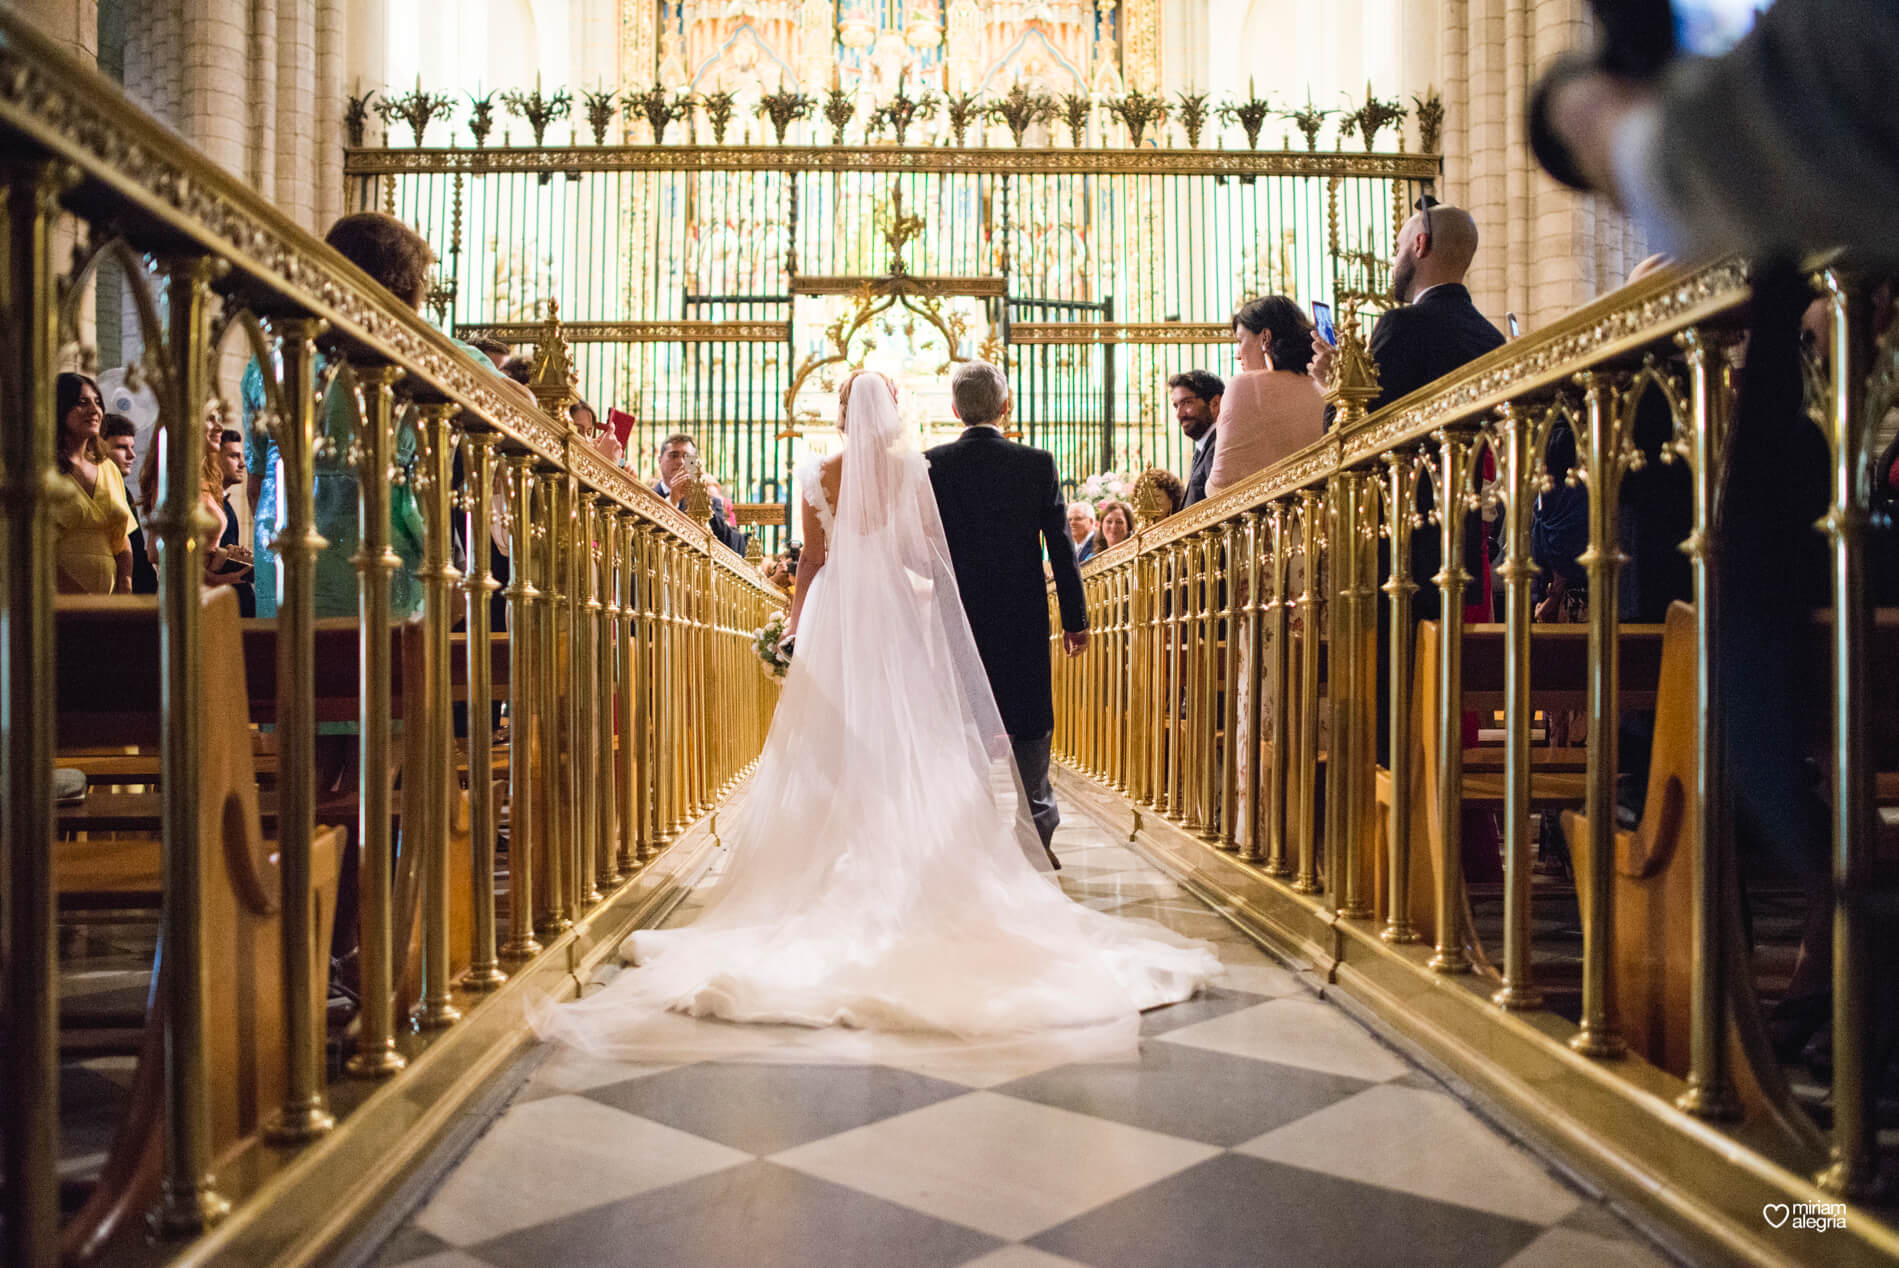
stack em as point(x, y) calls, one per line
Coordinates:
point(1086, 547)
point(1202, 468)
point(725, 532)
point(1414, 345)
point(1001, 503)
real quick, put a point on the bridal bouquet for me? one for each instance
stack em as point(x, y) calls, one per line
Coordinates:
point(768, 643)
point(1108, 486)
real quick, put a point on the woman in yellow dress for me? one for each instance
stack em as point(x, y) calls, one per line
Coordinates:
point(92, 519)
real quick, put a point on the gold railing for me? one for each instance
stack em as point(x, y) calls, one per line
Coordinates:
point(635, 708)
point(1227, 714)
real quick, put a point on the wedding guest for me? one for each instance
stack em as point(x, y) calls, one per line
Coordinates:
point(1116, 524)
point(1196, 397)
point(236, 564)
point(1271, 408)
point(119, 434)
point(210, 501)
point(676, 454)
point(399, 259)
point(519, 368)
point(588, 424)
point(1170, 485)
point(492, 348)
point(1081, 530)
point(92, 520)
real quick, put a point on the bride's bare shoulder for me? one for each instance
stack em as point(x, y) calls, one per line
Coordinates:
point(831, 471)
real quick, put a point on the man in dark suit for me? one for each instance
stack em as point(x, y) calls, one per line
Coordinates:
point(676, 453)
point(1001, 505)
point(1196, 398)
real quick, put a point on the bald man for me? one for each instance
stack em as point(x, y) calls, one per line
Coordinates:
point(1434, 329)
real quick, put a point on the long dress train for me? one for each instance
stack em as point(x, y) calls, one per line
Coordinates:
point(885, 883)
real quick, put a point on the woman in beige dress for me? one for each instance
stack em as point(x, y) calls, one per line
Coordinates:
point(92, 520)
point(1271, 408)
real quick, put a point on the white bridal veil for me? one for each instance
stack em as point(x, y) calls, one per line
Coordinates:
point(885, 886)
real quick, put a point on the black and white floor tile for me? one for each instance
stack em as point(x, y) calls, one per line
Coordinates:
point(1260, 1125)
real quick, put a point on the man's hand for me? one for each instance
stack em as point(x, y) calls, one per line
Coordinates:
point(1074, 642)
point(1323, 355)
point(1585, 111)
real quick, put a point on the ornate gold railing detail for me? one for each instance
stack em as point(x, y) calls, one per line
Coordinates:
point(634, 710)
point(1260, 710)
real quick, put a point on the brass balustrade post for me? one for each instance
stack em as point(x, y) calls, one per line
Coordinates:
point(478, 586)
point(524, 603)
point(29, 961)
point(1197, 578)
point(1306, 764)
point(551, 917)
point(1602, 453)
point(1279, 795)
point(376, 1056)
point(1228, 626)
point(1519, 461)
point(1168, 682)
point(612, 673)
point(1854, 411)
point(1155, 717)
point(1456, 455)
point(1401, 497)
point(665, 698)
point(1359, 646)
point(1245, 630)
point(434, 477)
point(583, 687)
point(1212, 579)
point(644, 580)
point(188, 1200)
point(305, 1113)
point(1124, 678)
point(1341, 563)
point(1710, 1092)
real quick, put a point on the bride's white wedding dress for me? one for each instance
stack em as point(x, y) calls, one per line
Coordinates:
point(884, 876)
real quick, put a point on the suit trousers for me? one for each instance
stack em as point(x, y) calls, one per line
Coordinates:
point(1031, 763)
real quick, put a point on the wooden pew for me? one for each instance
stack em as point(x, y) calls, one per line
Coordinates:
point(1559, 680)
point(115, 698)
point(1653, 886)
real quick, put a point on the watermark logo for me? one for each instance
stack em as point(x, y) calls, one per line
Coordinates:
point(1815, 1217)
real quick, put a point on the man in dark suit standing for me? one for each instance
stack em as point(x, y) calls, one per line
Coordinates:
point(1001, 505)
point(1196, 398)
point(1433, 330)
point(676, 453)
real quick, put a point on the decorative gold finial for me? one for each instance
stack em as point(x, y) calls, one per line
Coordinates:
point(552, 380)
point(692, 487)
point(1354, 381)
point(897, 228)
point(754, 553)
point(1152, 504)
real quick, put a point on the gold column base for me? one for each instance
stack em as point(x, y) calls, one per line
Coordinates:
point(300, 1125)
point(1517, 998)
point(379, 1063)
point(1305, 885)
point(186, 1212)
point(553, 926)
point(1604, 1044)
point(435, 1015)
point(1357, 911)
point(1278, 871)
point(593, 896)
point(1714, 1102)
point(1399, 934)
point(1448, 962)
point(522, 948)
point(482, 978)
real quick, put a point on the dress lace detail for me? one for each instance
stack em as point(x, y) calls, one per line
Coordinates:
point(811, 479)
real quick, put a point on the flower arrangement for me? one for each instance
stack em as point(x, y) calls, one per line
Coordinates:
point(768, 645)
point(1106, 486)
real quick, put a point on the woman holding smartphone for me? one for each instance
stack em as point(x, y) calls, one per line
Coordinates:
point(1271, 408)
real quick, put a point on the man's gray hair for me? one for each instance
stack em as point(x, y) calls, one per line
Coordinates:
point(979, 391)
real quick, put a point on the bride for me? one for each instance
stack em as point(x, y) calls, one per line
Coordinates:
point(884, 877)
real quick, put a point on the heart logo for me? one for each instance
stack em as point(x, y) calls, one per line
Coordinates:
point(1776, 1213)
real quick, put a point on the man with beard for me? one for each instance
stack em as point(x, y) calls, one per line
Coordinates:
point(1196, 397)
point(1434, 328)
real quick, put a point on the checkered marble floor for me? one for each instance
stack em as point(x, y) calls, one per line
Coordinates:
point(1261, 1125)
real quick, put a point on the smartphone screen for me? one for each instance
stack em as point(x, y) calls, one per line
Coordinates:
point(1708, 28)
point(1322, 318)
point(1515, 330)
